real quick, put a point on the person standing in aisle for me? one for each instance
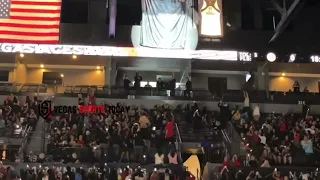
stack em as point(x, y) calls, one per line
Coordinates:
point(137, 82)
point(187, 92)
point(172, 86)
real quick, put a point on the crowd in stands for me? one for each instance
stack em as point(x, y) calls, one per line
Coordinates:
point(93, 173)
point(122, 136)
point(14, 114)
point(143, 136)
point(274, 139)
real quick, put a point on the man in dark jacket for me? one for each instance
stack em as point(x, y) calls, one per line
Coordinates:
point(172, 86)
point(225, 114)
point(188, 88)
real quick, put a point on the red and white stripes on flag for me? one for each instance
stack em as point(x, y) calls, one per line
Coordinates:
point(30, 21)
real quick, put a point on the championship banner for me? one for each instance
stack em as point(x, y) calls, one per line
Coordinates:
point(118, 51)
point(211, 23)
point(164, 24)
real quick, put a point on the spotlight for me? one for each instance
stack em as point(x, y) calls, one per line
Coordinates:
point(292, 57)
point(271, 57)
point(74, 56)
point(41, 65)
point(21, 55)
point(98, 67)
point(283, 74)
point(62, 75)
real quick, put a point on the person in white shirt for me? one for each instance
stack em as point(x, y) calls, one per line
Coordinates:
point(256, 113)
point(158, 158)
point(263, 139)
point(265, 164)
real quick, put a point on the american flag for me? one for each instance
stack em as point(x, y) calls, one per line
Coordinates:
point(30, 21)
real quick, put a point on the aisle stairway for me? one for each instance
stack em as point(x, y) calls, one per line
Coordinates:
point(188, 135)
point(35, 140)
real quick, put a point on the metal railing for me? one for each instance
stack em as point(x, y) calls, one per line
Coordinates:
point(235, 145)
point(178, 143)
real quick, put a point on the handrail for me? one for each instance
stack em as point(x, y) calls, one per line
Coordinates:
point(179, 142)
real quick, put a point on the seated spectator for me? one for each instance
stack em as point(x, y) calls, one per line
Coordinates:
point(276, 155)
point(286, 153)
point(265, 163)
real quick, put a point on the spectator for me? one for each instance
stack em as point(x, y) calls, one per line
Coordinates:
point(80, 100)
point(307, 145)
point(246, 103)
point(173, 157)
point(265, 164)
point(225, 113)
point(160, 84)
point(159, 158)
point(263, 139)
point(187, 92)
point(226, 161)
point(137, 81)
point(126, 84)
point(172, 86)
point(170, 128)
point(256, 113)
point(296, 86)
point(144, 124)
point(236, 162)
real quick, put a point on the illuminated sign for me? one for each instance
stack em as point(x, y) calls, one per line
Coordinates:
point(245, 56)
point(315, 58)
point(117, 51)
point(211, 24)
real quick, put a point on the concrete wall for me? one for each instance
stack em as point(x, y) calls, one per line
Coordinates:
point(234, 82)
point(71, 77)
point(285, 83)
point(21, 73)
point(211, 105)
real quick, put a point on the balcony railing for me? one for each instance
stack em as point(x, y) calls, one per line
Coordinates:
point(195, 94)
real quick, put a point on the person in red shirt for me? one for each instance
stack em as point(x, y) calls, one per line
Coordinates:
point(80, 141)
point(283, 127)
point(170, 131)
point(256, 137)
point(226, 161)
point(236, 161)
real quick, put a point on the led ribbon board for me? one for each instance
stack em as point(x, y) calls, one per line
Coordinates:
point(117, 51)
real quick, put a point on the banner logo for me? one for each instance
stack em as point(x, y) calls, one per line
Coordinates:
point(45, 109)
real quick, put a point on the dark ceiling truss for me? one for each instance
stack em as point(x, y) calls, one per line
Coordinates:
point(286, 15)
